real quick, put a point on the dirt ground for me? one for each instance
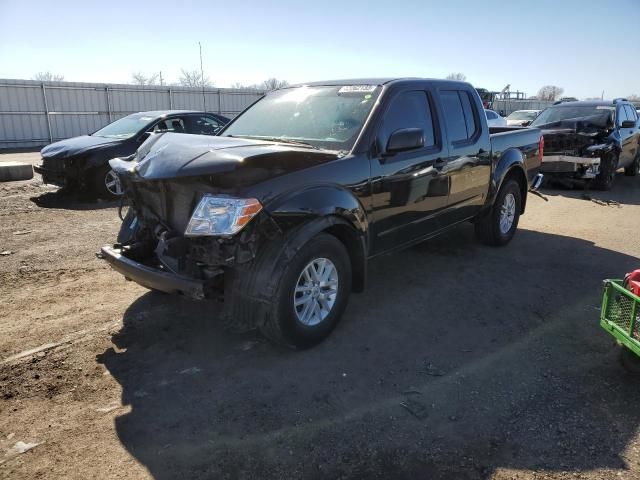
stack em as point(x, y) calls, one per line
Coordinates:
point(459, 361)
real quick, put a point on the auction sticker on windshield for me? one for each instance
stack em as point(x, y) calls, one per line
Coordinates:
point(357, 89)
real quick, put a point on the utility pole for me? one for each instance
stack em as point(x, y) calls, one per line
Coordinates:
point(161, 82)
point(204, 98)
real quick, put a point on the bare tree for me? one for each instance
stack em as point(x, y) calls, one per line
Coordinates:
point(193, 78)
point(138, 78)
point(272, 84)
point(48, 77)
point(550, 93)
point(633, 98)
point(461, 77)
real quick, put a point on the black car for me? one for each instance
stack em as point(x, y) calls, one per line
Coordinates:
point(590, 141)
point(279, 213)
point(83, 161)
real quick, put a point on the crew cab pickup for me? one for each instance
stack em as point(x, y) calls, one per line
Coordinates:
point(279, 214)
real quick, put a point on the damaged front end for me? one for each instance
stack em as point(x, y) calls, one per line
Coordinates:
point(575, 150)
point(155, 248)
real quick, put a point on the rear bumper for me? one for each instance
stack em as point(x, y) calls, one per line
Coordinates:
point(537, 182)
point(153, 278)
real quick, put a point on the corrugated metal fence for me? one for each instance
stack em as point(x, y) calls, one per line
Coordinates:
point(36, 113)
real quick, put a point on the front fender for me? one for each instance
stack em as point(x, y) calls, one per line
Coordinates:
point(296, 208)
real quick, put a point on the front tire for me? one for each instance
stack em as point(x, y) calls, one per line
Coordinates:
point(498, 226)
point(312, 294)
point(633, 169)
point(604, 180)
point(106, 183)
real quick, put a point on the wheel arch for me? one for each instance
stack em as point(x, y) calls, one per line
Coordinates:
point(511, 166)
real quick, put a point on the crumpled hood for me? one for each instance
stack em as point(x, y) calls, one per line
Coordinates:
point(241, 161)
point(76, 145)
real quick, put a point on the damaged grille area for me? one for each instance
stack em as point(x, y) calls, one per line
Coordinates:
point(566, 142)
point(53, 163)
point(160, 212)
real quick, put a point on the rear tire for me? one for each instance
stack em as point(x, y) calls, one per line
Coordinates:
point(633, 169)
point(310, 300)
point(498, 226)
point(608, 166)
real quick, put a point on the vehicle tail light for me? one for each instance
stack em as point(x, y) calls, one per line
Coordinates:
point(541, 147)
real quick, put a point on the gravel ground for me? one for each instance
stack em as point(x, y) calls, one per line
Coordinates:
point(459, 361)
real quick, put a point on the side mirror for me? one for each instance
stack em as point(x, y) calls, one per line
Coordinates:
point(527, 123)
point(628, 124)
point(405, 139)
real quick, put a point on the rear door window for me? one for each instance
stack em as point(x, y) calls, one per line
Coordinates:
point(409, 110)
point(459, 115)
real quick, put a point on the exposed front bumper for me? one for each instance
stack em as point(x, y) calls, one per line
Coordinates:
point(578, 167)
point(51, 176)
point(153, 278)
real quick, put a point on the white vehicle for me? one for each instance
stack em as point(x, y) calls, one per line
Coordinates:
point(495, 120)
point(520, 118)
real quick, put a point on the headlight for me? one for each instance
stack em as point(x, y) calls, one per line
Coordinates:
point(221, 215)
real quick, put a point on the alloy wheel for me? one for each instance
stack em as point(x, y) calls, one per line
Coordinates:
point(316, 291)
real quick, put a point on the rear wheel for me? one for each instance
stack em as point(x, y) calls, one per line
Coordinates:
point(312, 294)
point(499, 225)
point(633, 169)
point(608, 166)
point(106, 183)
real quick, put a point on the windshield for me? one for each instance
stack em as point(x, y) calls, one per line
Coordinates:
point(522, 115)
point(599, 115)
point(324, 117)
point(125, 127)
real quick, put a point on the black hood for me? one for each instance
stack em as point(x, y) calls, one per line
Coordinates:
point(77, 145)
point(233, 161)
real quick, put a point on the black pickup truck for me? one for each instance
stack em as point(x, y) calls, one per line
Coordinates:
point(279, 214)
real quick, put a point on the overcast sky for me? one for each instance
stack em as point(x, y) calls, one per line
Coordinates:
point(583, 46)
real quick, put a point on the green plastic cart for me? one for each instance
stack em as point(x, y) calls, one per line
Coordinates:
point(621, 318)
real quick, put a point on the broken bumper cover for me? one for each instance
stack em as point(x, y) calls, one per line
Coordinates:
point(51, 176)
point(153, 278)
point(579, 167)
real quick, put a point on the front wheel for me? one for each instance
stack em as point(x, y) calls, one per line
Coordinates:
point(106, 183)
point(607, 175)
point(498, 226)
point(312, 294)
point(633, 169)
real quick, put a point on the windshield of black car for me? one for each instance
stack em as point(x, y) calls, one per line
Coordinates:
point(125, 127)
point(598, 115)
point(522, 115)
point(328, 117)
